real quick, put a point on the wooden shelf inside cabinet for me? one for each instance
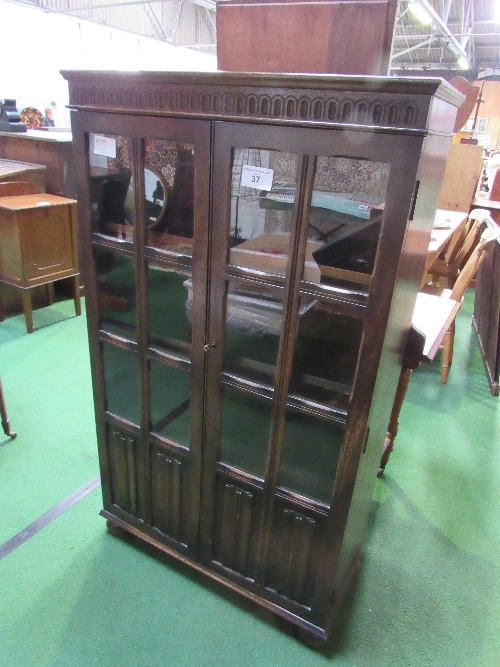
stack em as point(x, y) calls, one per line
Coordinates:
point(242, 397)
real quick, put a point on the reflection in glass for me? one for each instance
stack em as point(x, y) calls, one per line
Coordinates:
point(309, 457)
point(170, 303)
point(155, 190)
point(245, 428)
point(253, 326)
point(121, 377)
point(262, 195)
point(111, 185)
point(169, 190)
point(116, 293)
point(345, 219)
point(325, 354)
point(171, 403)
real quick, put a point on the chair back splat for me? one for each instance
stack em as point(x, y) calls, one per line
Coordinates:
point(488, 237)
point(450, 263)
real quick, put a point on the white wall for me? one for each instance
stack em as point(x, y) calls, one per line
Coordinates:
point(35, 45)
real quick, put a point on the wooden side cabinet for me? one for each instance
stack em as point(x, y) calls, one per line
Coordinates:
point(38, 245)
point(252, 250)
point(486, 317)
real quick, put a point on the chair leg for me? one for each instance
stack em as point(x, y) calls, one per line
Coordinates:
point(76, 295)
point(392, 429)
point(452, 342)
point(447, 353)
point(28, 310)
point(5, 418)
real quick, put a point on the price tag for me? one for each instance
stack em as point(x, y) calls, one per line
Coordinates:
point(257, 177)
point(104, 146)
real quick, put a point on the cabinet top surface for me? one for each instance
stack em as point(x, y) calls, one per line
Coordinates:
point(21, 202)
point(12, 167)
point(380, 84)
point(415, 105)
point(60, 136)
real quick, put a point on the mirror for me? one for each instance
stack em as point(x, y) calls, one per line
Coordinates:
point(156, 190)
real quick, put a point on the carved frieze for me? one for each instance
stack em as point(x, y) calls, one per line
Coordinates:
point(307, 105)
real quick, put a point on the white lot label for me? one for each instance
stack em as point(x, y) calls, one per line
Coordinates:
point(104, 146)
point(257, 177)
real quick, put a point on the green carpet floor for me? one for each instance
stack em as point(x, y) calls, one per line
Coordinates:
point(74, 596)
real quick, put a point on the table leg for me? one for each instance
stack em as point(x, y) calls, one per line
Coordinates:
point(76, 295)
point(392, 430)
point(49, 291)
point(28, 310)
point(5, 418)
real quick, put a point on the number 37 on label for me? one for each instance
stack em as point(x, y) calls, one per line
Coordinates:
point(257, 177)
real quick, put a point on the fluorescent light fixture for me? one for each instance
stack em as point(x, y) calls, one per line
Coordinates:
point(419, 12)
point(463, 63)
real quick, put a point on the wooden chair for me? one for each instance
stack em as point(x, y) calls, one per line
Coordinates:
point(426, 334)
point(451, 262)
point(14, 188)
point(461, 282)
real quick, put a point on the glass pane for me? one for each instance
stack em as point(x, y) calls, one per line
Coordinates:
point(253, 325)
point(262, 197)
point(121, 377)
point(169, 190)
point(325, 355)
point(246, 423)
point(112, 185)
point(116, 293)
point(171, 403)
point(170, 302)
point(309, 456)
point(345, 219)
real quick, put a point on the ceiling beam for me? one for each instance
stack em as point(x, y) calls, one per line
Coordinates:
point(444, 29)
point(86, 7)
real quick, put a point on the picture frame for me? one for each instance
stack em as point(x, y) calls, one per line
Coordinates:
point(469, 124)
point(484, 140)
point(482, 125)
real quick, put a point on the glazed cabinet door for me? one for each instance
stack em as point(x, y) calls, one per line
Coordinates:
point(143, 207)
point(307, 229)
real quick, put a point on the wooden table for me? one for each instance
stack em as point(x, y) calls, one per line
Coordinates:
point(12, 170)
point(431, 320)
point(52, 148)
point(448, 226)
point(38, 246)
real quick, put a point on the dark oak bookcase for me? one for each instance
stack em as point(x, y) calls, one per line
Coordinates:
point(242, 388)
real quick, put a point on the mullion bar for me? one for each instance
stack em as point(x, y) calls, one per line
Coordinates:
point(142, 319)
point(285, 358)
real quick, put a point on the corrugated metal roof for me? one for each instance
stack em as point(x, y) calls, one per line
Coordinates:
point(468, 23)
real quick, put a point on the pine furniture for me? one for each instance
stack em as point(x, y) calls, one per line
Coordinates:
point(38, 246)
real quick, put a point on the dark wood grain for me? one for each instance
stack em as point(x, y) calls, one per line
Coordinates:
point(278, 42)
point(292, 552)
